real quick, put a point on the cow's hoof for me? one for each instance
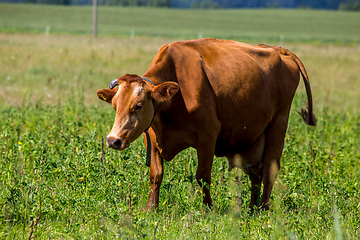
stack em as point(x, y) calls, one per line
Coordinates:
point(264, 207)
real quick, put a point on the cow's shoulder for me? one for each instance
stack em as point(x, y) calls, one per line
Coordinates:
point(175, 50)
point(161, 54)
point(197, 44)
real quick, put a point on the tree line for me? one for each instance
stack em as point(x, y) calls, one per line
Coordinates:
point(311, 4)
point(353, 5)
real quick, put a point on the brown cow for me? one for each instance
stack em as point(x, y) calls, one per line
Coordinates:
point(220, 97)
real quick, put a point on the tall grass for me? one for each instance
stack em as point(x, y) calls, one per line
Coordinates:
point(53, 168)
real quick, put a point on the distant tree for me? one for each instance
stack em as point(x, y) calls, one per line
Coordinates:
point(124, 2)
point(159, 3)
point(333, 4)
point(303, 6)
point(180, 3)
point(350, 6)
point(134, 3)
point(272, 5)
point(205, 4)
point(234, 3)
point(346, 5)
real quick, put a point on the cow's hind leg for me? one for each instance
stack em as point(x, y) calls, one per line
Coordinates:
point(274, 143)
point(255, 189)
point(251, 162)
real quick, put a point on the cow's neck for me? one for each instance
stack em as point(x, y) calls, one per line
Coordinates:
point(170, 130)
point(167, 115)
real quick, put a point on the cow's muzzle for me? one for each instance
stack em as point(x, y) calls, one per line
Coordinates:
point(116, 143)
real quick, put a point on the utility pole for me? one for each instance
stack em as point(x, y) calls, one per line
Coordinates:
point(94, 19)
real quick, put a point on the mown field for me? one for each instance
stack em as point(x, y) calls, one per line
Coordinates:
point(58, 182)
point(246, 25)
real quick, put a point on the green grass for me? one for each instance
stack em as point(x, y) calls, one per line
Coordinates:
point(242, 24)
point(51, 155)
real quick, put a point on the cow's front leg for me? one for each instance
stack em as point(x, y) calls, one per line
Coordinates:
point(156, 174)
point(205, 146)
point(203, 173)
point(205, 154)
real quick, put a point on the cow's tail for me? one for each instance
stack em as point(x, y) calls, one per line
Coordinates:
point(307, 114)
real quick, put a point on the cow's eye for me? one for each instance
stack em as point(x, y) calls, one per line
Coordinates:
point(138, 106)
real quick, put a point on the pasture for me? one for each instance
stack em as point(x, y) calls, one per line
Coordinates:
point(245, 25)
point(57, 181)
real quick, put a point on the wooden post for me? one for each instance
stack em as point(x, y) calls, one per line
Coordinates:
point(94, 19)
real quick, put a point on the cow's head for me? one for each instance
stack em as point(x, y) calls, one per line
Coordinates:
point(134, 102)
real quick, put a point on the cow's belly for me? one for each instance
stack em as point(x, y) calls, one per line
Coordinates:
point(236, 141)
point(248, 159)
point(242, 152)
point(241, 131)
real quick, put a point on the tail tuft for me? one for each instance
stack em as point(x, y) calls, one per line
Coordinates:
point(305, 115)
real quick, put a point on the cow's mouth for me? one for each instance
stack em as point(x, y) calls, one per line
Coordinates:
point(117, 144)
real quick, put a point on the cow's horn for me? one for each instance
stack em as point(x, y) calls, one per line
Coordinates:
point(113, 83)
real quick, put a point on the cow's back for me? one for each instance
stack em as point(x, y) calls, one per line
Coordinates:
point(250, 83)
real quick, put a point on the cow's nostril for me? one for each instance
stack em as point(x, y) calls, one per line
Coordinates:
point(117, 143)
point(113, 143)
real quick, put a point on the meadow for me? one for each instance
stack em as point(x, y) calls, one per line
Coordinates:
point(245, 25)
point(57, 181)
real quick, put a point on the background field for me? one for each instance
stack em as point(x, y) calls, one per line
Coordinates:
point(258, 25)
point(52, 123)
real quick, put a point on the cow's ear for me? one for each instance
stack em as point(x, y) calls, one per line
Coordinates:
point(164, 91)
point(106, 94)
